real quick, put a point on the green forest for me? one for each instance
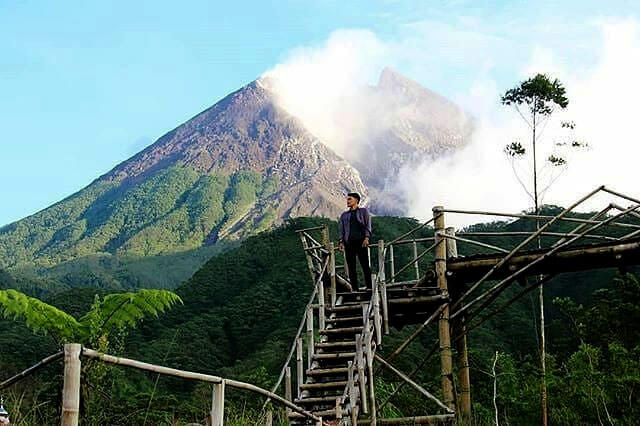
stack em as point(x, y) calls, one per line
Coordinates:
point(238, 314)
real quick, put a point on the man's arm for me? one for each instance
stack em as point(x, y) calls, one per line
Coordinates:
point(340, 233)
point(367, 223)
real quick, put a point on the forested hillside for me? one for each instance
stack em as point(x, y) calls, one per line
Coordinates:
point(240, 313)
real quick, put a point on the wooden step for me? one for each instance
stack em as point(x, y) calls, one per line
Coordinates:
point(317, 399)
point(334, 355)
point(323, 413)
point(331, 345)
point(343, 319)
point(324, 385)
point(342, 330)
point(346, 307)
point(327, 371)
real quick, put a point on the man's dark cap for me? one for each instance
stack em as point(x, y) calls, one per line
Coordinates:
point(354, 195)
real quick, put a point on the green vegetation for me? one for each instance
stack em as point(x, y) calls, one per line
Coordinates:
point(153, 232)
point(242, 307)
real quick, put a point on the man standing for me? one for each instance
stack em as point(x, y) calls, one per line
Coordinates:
point(354, 228)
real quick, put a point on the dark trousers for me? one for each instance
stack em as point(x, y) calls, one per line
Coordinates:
point(353, 249)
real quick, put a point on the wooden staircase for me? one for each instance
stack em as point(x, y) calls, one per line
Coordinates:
point(338, 364)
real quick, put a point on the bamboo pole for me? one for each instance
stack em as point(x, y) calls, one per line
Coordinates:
point(71, 385)
point(31, 369)
point(383, 285)
point(422, 225)
point(460, 342)
point(217, 404)
point(392, 264)
point(415, 260)
point(444, 331)
point(377, 319)
point(352, 392)
point(372, 394)
point(310, 342)
point(287, 388)
point(299, 366)
point(475, 243)
point(361, 376)
point(269, 419)
point(437, 419)
point(413, 384)
point(332, 273)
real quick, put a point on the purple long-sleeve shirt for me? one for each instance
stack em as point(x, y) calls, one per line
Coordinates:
point(364, 218)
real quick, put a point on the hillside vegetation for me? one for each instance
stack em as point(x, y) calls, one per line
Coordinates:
point(242, 307)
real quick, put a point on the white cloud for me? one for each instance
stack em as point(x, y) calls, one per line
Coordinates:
point(312, 82)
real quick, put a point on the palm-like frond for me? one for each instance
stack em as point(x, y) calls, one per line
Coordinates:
point(125, 309)
point(38, 316)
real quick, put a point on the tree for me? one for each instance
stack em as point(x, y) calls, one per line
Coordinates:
point(541, 96)
point(112, 313)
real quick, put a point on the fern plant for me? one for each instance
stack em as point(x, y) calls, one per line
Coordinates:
point(113, 312)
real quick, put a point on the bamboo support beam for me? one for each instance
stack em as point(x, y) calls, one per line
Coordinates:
point(413, 384)
point(71, 385)
point(444, 331)
point(45, 361)
point(217, 404)
point(383, 285)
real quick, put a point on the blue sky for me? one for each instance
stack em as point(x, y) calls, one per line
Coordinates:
point(84, 85)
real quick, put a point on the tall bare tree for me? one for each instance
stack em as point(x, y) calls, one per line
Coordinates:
point(535, 100)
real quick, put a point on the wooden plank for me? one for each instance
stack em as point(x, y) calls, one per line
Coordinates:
point(332, 272)
point(71, 385)
point(392, 264)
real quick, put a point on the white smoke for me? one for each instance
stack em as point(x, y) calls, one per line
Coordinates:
point(313, 82)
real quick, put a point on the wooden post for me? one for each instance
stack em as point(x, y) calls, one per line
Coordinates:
point(383, 285)
point(269, 420)
point(392, 264)
point(71, 385)
point(310, 343)
point(217, 405)
point(415, 259)
point(299, 366)
point(321, 312)
point(462, 354)
point(361, 377)
point(332, 273)
point(444, 330)
point(287, 387)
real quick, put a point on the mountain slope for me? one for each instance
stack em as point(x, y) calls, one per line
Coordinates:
point(232, 170)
